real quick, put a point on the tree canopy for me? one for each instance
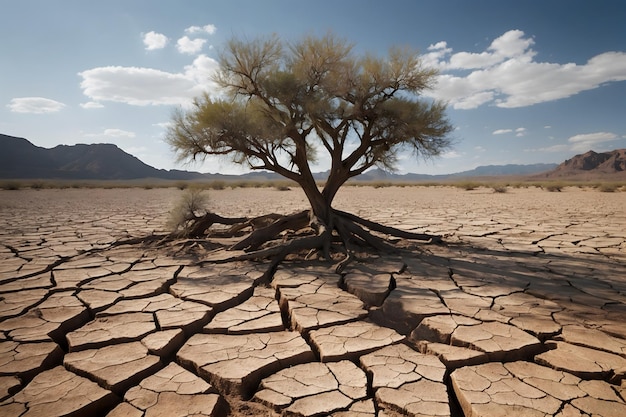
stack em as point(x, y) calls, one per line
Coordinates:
point(284, 106)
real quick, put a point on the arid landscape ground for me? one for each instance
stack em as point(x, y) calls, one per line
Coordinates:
point(521, 312)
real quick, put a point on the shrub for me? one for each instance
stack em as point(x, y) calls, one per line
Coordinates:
point(554, 187)
point(11, 185)
point(217, 185)
point(500, 189)
point(468, 185)
point(608, 188)
point(191, 205)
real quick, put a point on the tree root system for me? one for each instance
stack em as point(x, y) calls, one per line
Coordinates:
point(299, 235)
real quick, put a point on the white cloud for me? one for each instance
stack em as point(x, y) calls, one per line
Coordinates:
point(506, 74)
point(581, 143)
point(451, 155)
point(36, 105)
point(112, 133)
point(147, 86)
point(154, 40)
point(437, 52)
point(91, 105)
point(185, 45)
point(210, 29)
point(588, 141)
point(519, 132)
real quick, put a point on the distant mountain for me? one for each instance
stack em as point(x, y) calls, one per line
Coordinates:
point(20, 159)
point(481, 171)
point(592, 165)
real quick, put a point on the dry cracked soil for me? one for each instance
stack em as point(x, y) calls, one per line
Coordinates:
point(521, 312)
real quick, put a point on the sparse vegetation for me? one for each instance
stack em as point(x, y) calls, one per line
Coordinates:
point(191, 206)
point(287, 103)
point(501, 189)
point(11, 185)
point(555, 187)
point(609, 187)
point(468, 185)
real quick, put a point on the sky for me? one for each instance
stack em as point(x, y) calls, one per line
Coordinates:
point(534, 81)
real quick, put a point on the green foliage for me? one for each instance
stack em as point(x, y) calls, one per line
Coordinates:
point(286, 103)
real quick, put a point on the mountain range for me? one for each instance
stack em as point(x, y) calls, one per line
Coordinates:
point(20, 159)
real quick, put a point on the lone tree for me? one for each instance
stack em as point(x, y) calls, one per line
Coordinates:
point(284, 105)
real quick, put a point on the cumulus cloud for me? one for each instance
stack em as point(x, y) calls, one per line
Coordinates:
point(507, 75)
point(91, 105)
point(587, 141)
point(186, 45)
point(582, 143)
point(154, 40)
point(36, 105)
point(519, 132)
point(147, 86)
point(501, 131)
point(210, 29)
point(112, 133)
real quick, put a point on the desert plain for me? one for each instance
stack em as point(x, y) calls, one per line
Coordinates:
point(521, 311)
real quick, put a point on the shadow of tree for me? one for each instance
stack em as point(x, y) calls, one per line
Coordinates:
point(590, 289)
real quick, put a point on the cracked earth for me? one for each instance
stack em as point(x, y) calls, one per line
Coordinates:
point(522, 312)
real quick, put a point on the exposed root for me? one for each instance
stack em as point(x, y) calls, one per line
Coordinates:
point(301, 234)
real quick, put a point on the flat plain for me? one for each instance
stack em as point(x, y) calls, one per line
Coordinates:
point(521, 311)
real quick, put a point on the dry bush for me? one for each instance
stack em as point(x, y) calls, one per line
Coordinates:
point(500, 189)
point(192, 204)
point(554, 187)
point(11, 185)
point(468, 185)
point(608, 188)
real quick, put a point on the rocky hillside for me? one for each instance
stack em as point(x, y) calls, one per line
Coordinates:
point(20, 159)
point(592, 165)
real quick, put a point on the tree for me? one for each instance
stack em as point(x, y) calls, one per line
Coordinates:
point(285, 104)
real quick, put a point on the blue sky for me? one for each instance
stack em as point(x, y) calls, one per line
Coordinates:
point(526, 81)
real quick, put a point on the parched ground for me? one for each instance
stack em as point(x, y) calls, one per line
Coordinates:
point(522, 312)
